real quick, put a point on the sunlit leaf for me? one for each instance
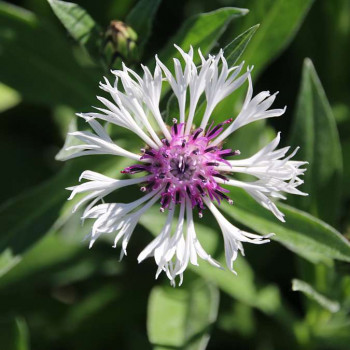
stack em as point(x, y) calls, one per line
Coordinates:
point(8, 98)
point(315, 131)
point(279, 21)
point(200, 31)
point(182, 317)
point(309, 291)
point(234, 50)
point(302, 233)
point(80, 25)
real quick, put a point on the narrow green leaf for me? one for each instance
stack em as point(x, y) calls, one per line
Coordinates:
point(182, 318)
point(141, 20)
point(52, 250)
point(80, 25)
point(201, 31)
point(309, 291)
point(315, 131)
point(27, 218)
point(45, 62)
point(302, 233)
point(280, 21)
point(14, 334)
point(43, 206)
point(234, 50)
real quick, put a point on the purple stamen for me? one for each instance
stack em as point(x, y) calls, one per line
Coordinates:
point(196, 133)
point(184, 167)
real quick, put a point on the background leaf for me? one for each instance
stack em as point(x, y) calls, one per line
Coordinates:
point(234, 50)
point(303, 234)
point(279, 21)
point(141, 19)
point(14, 334)
point(315, 131)
point(8, 98)
point(38, 69)
point(213, 24)
point(182, 318)
point(308, 290)
point(80, 25)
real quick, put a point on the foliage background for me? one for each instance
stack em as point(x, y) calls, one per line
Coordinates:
point(57, 294)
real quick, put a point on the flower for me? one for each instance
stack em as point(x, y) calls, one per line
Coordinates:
point(185, 166)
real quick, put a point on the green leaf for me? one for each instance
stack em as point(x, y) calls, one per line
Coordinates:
point(309, 291)
point(48, 73)
point(27, 218)
point(182, 317)
point(52, 250)
point(280, 20)
point(201, 31)
point(141, 20)
point(7, 261)
point(14, 334)
point(80, 25)
point(302, 233)
point(234, 50)
point(315, 131)
point(8, 98)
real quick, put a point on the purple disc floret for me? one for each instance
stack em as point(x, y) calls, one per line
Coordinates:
point(185, 166)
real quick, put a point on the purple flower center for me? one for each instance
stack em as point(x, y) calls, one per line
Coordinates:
point(185, 166)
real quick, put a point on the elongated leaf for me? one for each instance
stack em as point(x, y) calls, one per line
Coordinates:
point(280, 21)
point(302, 233)
point(80, 25)
point(315, 131)
point(38, 61)
point(201, 31)
point(141, 20)
point(309, 291)
point(181, 318)
point(27, 218)
point(234, 50)
point(14, 334)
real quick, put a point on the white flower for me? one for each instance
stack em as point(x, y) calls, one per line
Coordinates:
point(185, 167)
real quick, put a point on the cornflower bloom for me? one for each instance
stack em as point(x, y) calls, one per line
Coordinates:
point(184, 167)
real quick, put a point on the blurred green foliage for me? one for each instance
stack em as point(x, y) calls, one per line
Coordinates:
point(56, 294)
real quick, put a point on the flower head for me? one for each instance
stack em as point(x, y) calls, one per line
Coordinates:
point(184, 168)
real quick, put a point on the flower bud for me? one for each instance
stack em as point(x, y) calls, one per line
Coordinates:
point(119, 44)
